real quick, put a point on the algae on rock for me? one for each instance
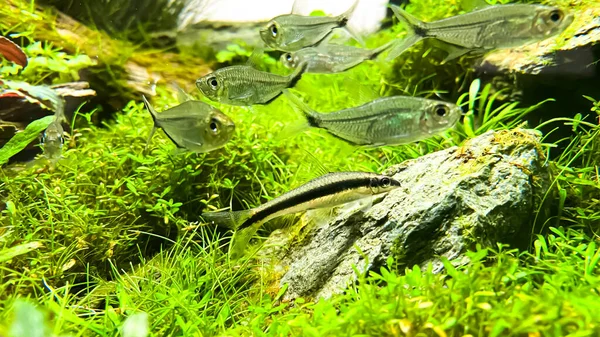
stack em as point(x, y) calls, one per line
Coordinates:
point(486, 191)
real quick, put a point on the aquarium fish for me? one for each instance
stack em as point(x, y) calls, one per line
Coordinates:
point(389, 120)
point(193, 125)
point(492, 27)
point(291, 32)
point(246, 85)
point(326, 191)
point(331, 58)
point(53, 140)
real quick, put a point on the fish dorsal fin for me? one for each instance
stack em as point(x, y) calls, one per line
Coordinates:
point(473, 5)
point(295, 7)
point(256, 57)
point(182, 96)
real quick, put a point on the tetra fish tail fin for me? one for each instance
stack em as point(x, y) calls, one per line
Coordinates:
point(297, 74)
point(311, 115)
point(343, 23)
point(413, 25)
point(297, 127)
point(344, 17)
point(377, 51)
point(417, 30)
point(154, 120)
point(227, 219)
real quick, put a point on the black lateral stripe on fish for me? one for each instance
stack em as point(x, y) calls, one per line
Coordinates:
point(305, 195)
point(329, 190)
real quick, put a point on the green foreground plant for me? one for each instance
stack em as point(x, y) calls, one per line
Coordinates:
point(109, 242)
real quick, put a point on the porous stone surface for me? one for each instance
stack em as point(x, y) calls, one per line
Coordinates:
point(484, 192)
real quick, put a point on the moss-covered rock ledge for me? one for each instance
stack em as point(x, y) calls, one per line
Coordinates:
point(486, 191)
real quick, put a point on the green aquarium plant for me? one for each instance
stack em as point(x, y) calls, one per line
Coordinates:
point(110, 241)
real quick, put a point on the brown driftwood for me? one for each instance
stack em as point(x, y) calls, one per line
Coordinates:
point(123, 72)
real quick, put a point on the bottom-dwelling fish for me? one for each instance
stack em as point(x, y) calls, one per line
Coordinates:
point(389, 120)
point(329, 190)
point(331, 58)
point(193, 125)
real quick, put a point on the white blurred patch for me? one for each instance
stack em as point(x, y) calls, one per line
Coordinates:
point(366, 18)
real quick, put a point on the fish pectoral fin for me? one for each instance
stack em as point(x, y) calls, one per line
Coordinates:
point(454, 52)
point(245, 95)
point(240, 240)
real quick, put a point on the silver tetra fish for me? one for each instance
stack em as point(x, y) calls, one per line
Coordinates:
point(329, 190)
point(246, 85)
point(331, 58)
point(492, 27)
point(292, 32)
point(193, 125)
point(390, 120)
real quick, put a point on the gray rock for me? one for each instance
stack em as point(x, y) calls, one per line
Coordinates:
point(486, 191)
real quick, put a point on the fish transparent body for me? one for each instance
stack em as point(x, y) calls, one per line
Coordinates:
point(331, 58)
point(244, 85)
point(493, 27)
point(502, 26)
point(195, 126)
point(293, 32)
point(386, 121)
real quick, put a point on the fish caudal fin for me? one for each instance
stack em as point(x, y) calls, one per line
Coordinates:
point(295, 128)
point(377, 51)
point(401, 46)
point(344, 17)
point(416, 28)
point(311, 115)
point(233, 220)
point(343, 23)
point(227, 219)
point(153, 114)
point(297, 74)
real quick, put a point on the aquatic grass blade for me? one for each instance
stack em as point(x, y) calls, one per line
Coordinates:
point(21, 139)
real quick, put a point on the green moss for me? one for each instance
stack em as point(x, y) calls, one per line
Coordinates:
point(114, 230)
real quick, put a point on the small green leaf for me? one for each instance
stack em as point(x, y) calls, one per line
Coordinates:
point(9, 253)
point(10, 206)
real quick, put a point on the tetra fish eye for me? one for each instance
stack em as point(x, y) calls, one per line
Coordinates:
point(555, 15)
point(441, 110)
point(213, 82)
